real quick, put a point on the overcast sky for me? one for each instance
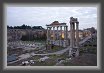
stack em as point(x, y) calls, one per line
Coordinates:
point(40, 16)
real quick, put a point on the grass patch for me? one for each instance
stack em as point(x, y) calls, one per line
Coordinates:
point(88, 49)
point(55, 48)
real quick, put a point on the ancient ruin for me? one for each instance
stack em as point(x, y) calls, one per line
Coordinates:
point(60, 37)
point(74, 40)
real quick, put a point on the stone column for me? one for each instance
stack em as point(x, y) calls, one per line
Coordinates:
point(67, 36)
point(61, 35)
point(50, 34)
point(71, 36)
point(77, 38)
point(57, 32)
point(53, 34)
point(71, 44)
point(77, 34)
point(64, 36)
point(64, 32)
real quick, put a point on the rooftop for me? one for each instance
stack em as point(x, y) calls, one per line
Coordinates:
point(56, 23)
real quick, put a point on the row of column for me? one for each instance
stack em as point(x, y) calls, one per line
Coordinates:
point(57, 36)
point(74, 41)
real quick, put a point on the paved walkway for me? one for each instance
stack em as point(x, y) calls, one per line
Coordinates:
point(84, 40)
point(27, 55)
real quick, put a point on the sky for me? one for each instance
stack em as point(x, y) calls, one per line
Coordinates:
point(40, 16)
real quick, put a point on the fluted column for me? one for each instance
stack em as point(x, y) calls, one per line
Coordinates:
point(71, 35)
point(74, 35)
point(53, 34)
point(67, 35)
point(64, 36)
point(77, 34)
point(77, 39)
point(50, 34)
point(71, 39)
point(57, 32)
point(64, 32)
point(61, 35)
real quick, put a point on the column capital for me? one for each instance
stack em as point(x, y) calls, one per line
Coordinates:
point(57, 27)
point(66, 26)
point(77, 22)
point(53, 26)
point(71, 23)
point(50, 28)
point(60, 26)
point(47, 28)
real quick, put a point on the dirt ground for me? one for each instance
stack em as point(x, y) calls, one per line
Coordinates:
point(85, 60)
